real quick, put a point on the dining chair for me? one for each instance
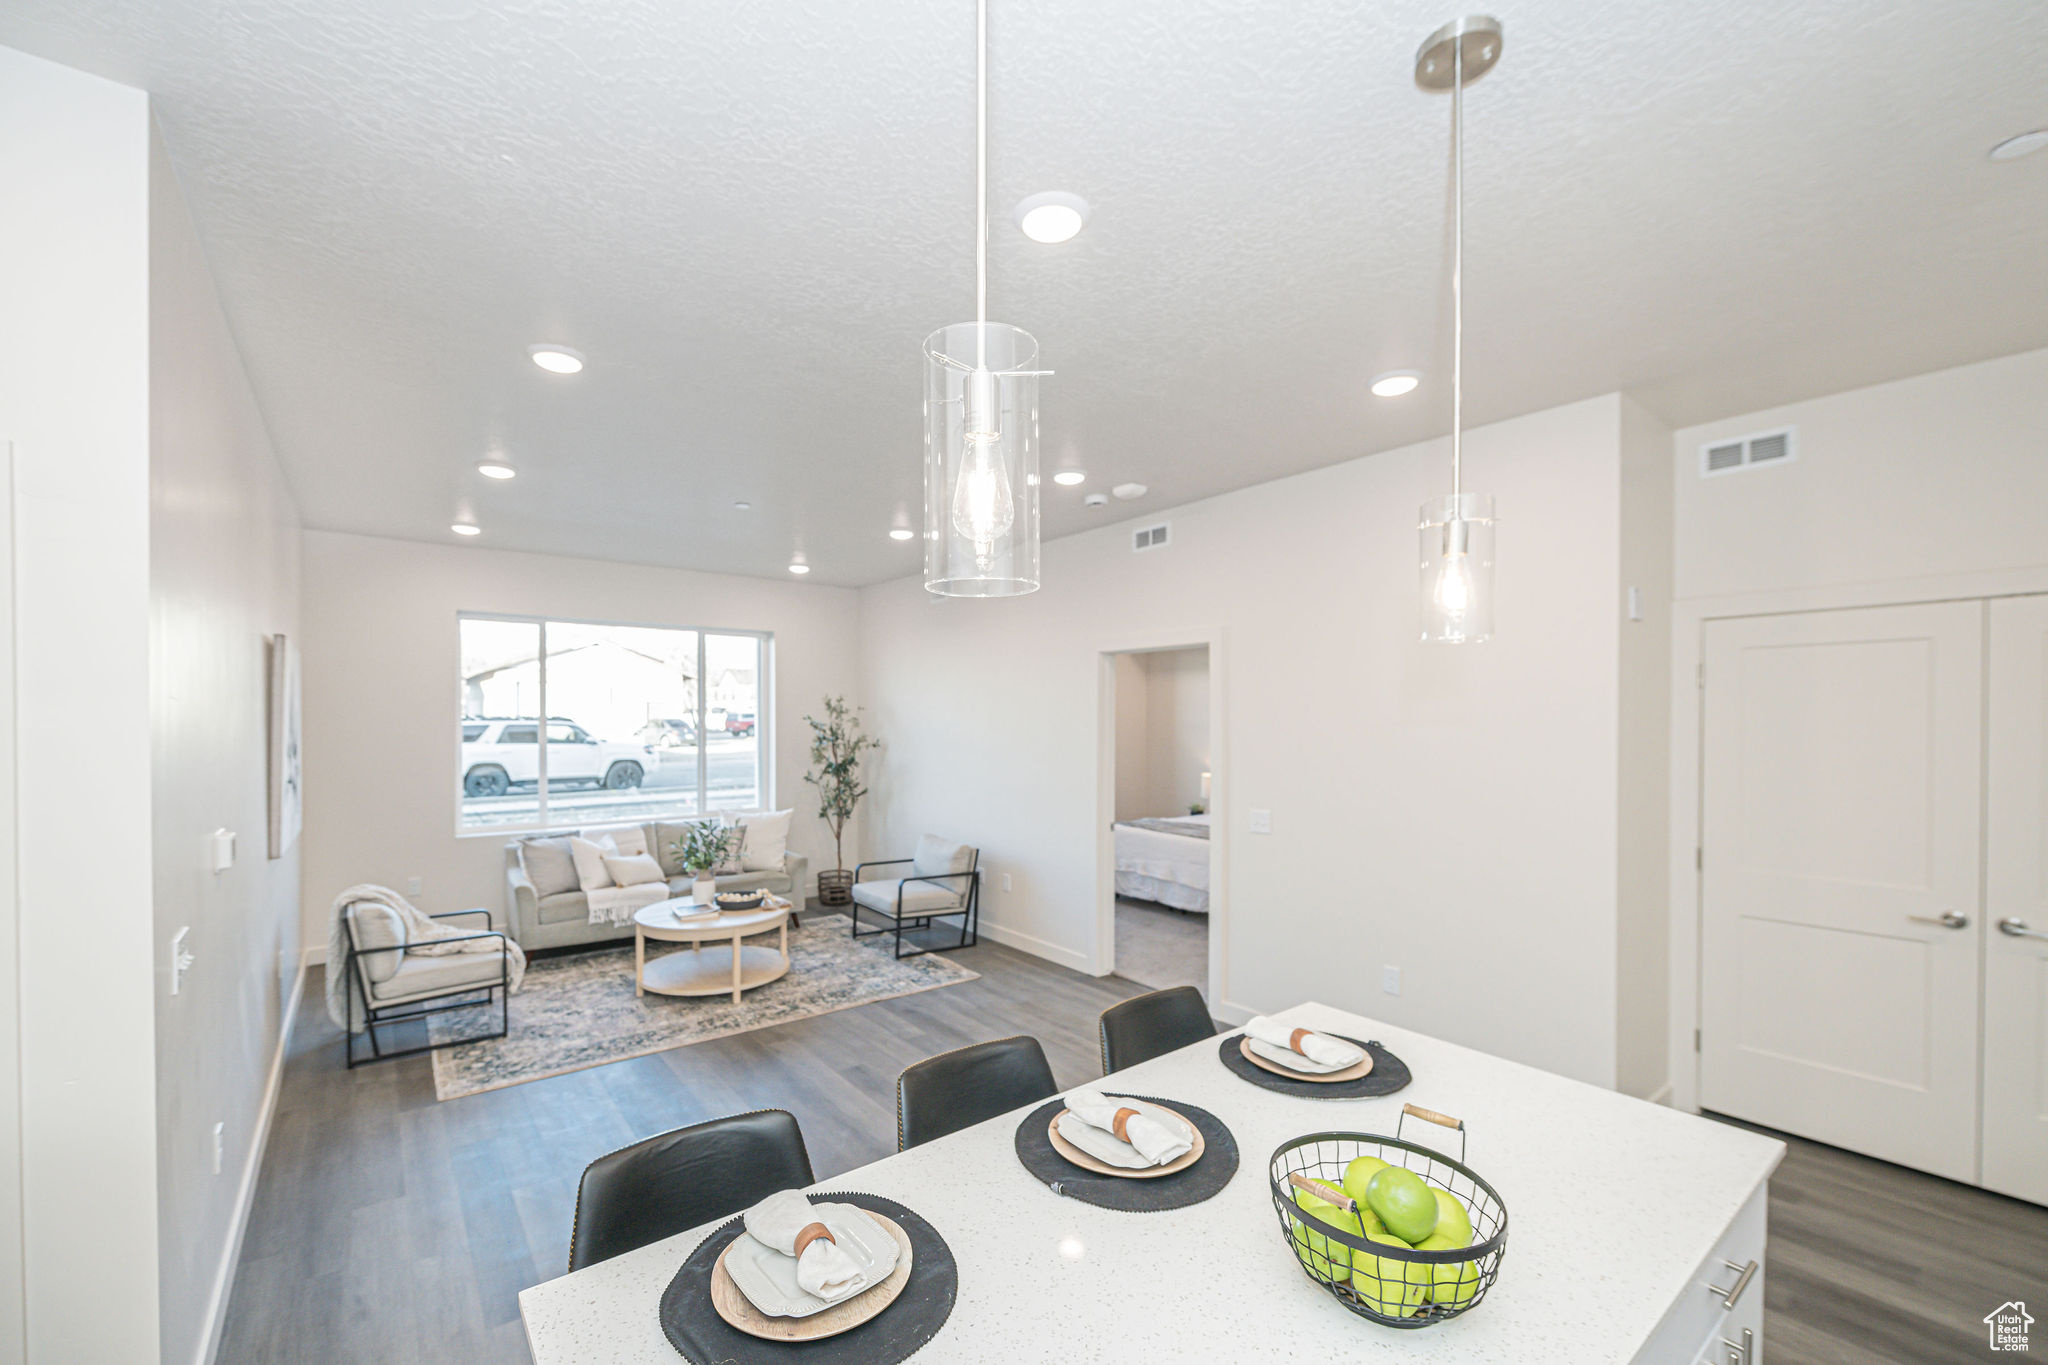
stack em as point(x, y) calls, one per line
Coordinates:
point(1148, 1026)
point(958, 1089)
point(675, 1181)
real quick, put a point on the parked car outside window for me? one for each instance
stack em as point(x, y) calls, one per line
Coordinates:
point(503, 755)
point(739, 722)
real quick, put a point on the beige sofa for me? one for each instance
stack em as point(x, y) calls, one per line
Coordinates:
point(562, 918)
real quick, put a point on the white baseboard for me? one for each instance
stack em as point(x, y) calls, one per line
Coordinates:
point(245, 1194)
point(1037, 947)
point(315, 955)
point(1661, 1095)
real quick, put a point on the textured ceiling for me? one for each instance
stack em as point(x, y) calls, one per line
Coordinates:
point(750, 215)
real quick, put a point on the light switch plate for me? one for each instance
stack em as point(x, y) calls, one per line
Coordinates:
point(223, 849)
point(1390, 980)
point(1262, 822)
point(1007, 887)
point(413, 886)
point(181, 958)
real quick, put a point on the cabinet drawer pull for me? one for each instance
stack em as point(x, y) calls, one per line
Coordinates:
point(1743, 1275)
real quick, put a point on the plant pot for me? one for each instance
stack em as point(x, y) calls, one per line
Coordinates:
point(704, 891)
point(835, 887)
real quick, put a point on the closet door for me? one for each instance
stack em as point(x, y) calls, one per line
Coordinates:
point(2016, 903)
point(1839, 928)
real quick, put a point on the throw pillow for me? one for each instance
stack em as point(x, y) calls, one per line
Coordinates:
point(731, 863)
point(548, 866)
point(634, 869)
point(378, 926)
point(666, 836)
point(630, 839)
point(589, 857)
point(765, 841)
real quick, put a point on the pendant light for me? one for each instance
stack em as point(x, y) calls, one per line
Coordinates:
point(981, 423)
point(1457, 531)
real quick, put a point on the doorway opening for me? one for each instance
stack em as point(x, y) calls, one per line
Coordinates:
point(1161, 845)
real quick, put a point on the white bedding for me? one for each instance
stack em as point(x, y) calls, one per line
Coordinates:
point(1171, 869)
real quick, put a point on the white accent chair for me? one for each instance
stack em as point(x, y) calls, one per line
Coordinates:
point(387, 985)
point(944, 881)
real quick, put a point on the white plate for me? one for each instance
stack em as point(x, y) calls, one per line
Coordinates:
point(768, 1278)
point(1108, 1147)
point(1294, 1061)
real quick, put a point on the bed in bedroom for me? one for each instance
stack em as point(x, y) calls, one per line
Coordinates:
point(1164, 859)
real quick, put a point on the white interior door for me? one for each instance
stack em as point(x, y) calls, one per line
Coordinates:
point(2016, 903)
point(1839, 934)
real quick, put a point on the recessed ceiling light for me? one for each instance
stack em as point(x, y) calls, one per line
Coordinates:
point(2019, 146)
point(1127, 491)
point(556, 359)
point(799, 567)
point(901, 533)
point(496, 469)
point(463, 528)
point(743, 506)
point(1067, 478)
point(1054, 216)
point(1394, 383)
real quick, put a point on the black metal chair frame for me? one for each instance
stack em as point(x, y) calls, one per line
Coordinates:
point(373, 1017)
point(969, 911)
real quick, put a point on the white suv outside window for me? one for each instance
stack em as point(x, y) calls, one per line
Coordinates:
point(498, 755)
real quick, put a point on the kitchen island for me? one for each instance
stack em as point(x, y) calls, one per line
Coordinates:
point(1630, 1227)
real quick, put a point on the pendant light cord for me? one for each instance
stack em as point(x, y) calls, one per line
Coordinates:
point(1457, 268)
point(981, 184)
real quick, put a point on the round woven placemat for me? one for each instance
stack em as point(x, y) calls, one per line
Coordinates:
point(701, 1337)
point(1191, 1186)
point(1389, 1073)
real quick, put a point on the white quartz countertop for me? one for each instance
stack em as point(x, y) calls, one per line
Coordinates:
point(1612, 1204)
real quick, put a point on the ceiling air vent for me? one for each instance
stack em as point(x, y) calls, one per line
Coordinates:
point(1747, 452)
point(1149, 538)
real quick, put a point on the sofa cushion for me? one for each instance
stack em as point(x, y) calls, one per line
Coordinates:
point(776, 881)
point(666, 833)
point(766, 839)
point(548, 866)
point(919, 898)
point(936, 857)
point(378, 926)
point(422, 975)
point(569, 905)
point(633, 869)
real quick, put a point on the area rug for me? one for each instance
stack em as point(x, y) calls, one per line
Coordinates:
point(580, 1011)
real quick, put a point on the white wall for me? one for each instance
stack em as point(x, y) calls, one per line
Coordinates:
point(1943, 473)
point(382, 695)
point(224, 575)
point(1133, 738)
point(1451, 811)
point(1162, 731)
point(74, 401)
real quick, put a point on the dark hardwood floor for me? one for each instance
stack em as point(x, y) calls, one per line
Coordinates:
point(392, 1229)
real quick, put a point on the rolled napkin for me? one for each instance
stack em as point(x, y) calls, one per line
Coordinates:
point(1320, 1048)
point(786, 1222)
point(1158, 1142)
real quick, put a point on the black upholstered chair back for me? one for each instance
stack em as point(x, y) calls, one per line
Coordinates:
point(958, 1089)
point(671, 1183)
point(1148, 1026)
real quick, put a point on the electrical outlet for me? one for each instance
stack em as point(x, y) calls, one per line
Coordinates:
point(1007, 886)
point(414, 885)
point(1262, 822)
point(219, 1145)
point(1390, 980)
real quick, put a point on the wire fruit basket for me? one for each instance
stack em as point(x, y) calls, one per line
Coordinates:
point(1388, 1282)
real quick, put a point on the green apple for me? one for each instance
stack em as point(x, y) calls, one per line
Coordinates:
point(1389, 1287)
point(1325, 1258)
point(1403, 1203)
point(1359, 1174)
point(1451, 1219)
point(1454, 1283)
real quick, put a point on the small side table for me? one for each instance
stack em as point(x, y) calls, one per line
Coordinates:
point(733, 967)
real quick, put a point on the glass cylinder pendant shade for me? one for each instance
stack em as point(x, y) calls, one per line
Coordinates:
point(1457, 569)
point(980, 461)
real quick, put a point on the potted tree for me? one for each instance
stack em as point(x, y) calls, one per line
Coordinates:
point(836, 747)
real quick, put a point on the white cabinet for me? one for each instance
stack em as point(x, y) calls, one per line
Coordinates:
point(1724, 1301)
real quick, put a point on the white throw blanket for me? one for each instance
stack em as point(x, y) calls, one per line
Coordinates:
point(824, 1270)
point(618, 904)
point(423, 935)
point(1331, 1054)
point(1153, 1139)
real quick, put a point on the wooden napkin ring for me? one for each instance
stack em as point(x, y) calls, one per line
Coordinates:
point(1294, 1041)
point(1120, 1122)
point(810, 1233)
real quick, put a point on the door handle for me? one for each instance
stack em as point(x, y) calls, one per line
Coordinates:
point(1950, 919)
point(2017, 928)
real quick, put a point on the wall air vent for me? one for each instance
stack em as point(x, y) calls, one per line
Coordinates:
point(1736, 454)
point(1149, 538)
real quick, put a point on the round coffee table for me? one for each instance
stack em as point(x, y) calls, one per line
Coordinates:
point(733, 967)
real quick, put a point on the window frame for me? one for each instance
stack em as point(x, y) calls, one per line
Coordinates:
point(764, 641)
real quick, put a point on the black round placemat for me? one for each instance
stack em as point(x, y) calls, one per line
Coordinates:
point(1160, 1192)
point(694, 1328)
point(1389, 1073)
